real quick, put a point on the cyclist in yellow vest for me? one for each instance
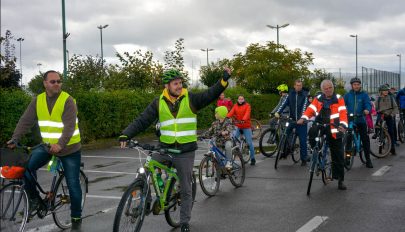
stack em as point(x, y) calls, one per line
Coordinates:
point(55, 112)
point(176, 110)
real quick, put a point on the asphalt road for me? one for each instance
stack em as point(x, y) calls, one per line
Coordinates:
point(270, 200)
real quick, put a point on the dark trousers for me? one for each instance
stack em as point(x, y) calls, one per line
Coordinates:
point(336, 151)
point(71, 167)
point(184, 164)
point(302, 132)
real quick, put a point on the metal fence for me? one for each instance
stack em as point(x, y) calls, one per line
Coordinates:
point(372, 79)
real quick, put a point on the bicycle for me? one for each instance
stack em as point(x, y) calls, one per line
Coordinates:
point(14, 206)
point(256, 128)
point(401, 129)
point(241, 142)
point(212, 169)
point(383, 140)
point(320, 163)
point(352, 143)
point(136, 202)
point(287, 144)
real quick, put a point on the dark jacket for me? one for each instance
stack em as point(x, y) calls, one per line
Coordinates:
point(297, 103)
point(401, 98)
point(356, 103)
point(151, 114)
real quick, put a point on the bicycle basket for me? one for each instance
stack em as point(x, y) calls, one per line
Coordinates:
point(13, 163)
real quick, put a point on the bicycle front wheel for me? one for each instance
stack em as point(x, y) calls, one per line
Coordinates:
point(312, 168)
point(401, 131)
point(256, 128)
point(349, 159)
point(383, 143)
point(131, 209)
point(281, 149)
point(61, 203)
point(268, 142)
point(13, 208)
point(208, 176)
point(237, 174)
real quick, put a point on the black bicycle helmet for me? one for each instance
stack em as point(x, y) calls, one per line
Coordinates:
point(355, 79)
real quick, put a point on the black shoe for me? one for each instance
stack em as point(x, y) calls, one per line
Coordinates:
point(253, 162)
point(304, 163)
point(76, 225)
point(341, 185)
point(185, 228)
point(393, 152)
point(369, 164)
point(33, 205)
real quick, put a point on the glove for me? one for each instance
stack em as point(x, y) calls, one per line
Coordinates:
point(226, 75)
point(123, 138)
point(277, 115)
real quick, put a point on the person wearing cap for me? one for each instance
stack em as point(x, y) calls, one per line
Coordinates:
point(387, 106)
point(283, 92)
point(176, 109)
point(358, 104)
point(221, 131)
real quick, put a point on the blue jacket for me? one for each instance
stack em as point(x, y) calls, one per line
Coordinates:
point(401, 98)
point(356, 103)
point(297, 103)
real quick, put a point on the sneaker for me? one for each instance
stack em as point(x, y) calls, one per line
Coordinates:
point(341, 185)
point(76, 225)
point(185, 228)
point(393, 152)
point(253, 162)
point(228, 165)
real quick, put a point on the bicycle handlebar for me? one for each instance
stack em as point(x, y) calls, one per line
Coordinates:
point(147, 147)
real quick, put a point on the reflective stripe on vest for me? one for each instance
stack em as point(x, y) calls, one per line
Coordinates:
point(183, 128)
point(51, 125)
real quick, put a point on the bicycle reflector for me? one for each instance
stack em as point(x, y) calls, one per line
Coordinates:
point(13, 172)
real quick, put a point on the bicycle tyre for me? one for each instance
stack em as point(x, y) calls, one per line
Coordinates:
point(281, 148)
point(349, 159)
point(173, 200)
point(263, 142)
point(132, 205)
point(245, 151)
point(362, 156)
point(312, 167)
point(327, 173)
point(385, 144)
point(401, 132)
point(237, 165)
point(11, 206)
point(208, 168)
point(295, 152)
point(61, 202)
point(256, 128)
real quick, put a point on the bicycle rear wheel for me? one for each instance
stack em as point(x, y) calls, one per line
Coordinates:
point(237, 174)
point(383, 144)
point(256, 128)
point(268, 142)
point(208, 175)
point(131, 209)
point(362, 156)
point(13, 208)
point(174, 202)
point(349, 159)
point(327, 169)
point(61, 203)
point(295, 149)
point(245, 151)
point(401, 131)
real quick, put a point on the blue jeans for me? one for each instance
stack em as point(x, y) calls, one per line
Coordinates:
point(302, 132)
point(71, 167)
point(247, 132)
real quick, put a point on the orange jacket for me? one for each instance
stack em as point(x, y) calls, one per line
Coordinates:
point(338, 110)
point(241, 113)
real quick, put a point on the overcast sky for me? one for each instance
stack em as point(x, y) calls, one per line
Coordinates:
point(227, 26)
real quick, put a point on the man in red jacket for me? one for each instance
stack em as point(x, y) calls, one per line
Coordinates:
point(222, 101)
point(241, 111)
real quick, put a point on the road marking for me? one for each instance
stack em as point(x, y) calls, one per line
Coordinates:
point(381, 171)
point(103, 197)
point(314, 223)
point(49, 227)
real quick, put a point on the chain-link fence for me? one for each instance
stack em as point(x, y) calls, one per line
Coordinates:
point(372, 79)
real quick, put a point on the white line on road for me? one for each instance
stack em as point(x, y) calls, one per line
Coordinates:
point(381, 171)
point(49, 227)
point(103, 197)
point(314, 223)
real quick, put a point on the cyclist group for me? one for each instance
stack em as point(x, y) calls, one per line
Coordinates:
point(176, 110)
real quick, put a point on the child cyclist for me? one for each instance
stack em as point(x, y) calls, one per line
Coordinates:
point(221, 130)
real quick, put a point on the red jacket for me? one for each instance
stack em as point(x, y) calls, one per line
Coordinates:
point(337, 108)
point(241, 113)
point(227, 103)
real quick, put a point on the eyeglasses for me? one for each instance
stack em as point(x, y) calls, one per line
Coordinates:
point(55, 81)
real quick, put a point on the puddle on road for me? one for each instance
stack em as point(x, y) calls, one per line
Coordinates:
point(106, 165)
point(98, 179)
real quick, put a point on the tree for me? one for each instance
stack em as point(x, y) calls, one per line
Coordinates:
point(9, 76)
point(174, 59)
point(212, 73)
point(36, 85)
point(263, 67)
point(317, 76)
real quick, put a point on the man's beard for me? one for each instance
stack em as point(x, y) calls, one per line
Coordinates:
point(173, 94)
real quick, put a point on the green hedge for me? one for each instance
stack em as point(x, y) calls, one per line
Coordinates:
point(106, 114)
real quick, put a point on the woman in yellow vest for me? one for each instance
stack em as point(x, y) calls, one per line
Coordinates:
point(176, 110)
point(55, 112)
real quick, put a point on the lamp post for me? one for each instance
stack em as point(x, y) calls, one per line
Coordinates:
point(64, 36)
point(277, 28)
point(399, 55)
point(101, 27)
point(39, 67)
point(207, 50)
point(355, 36)
point(20, 40)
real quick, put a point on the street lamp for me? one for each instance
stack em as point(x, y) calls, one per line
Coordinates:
point(399, 55)
point(101, 37)
point(207, 50)
point(20, 40)
point(39, 67)
point(64, 37)
point(355, 36)
point(277, 28)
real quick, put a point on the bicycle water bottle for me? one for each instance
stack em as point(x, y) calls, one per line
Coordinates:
point(160, 181)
